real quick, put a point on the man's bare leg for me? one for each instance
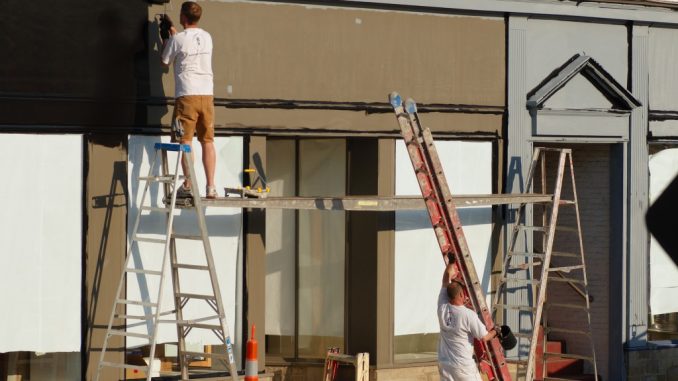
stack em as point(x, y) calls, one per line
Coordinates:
point(184, 167)
point(209, 161)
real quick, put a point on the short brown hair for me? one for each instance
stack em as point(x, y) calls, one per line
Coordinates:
point(192, 11)
point(454, 289)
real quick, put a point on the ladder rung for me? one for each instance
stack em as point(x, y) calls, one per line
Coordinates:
point(187, 236)
point(523, 266)
point(125, 366)
point(565, 330)
point(203, 354)
point(151, 240)
point(142, 271)
point(191, 267)
point(126, 333)
point(523, 335)
point(533, 228)
point(155, 209)
point(514, 307)
point(134, 317)
point(567, 202)
point(568, 280)
point(136, 302)
point(519, 280)
point(526, 254)
point(159, 179)
point(199, 325)
point(566, 305)
point(567, 269)
point(186, 322)
point(566, 356)
point(143, 317)
point(563, 254)
point(196, 296)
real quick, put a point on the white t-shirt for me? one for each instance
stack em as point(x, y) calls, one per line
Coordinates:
point(459, 325)
point(191, 52)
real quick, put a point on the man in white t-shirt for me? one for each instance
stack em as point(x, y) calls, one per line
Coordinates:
point(191, 53)
point(459, 325)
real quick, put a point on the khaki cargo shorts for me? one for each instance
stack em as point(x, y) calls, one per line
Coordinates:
point(195, 113)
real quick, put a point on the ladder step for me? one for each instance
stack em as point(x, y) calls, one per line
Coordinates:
point(524, 266)
point(134, 317)
point(136, 303)
point(526, 254)
point(566, 356)
point(563, 254)
point(125, 366)
point(196, 296)
point(565, 330)
point(567, 202)
point(203, 354)
point(199, 325)
point(191, 267)
point(159, 179)
point(568, 280)
point(130, 334)
point(523, 335)
point(150, 240)
point(155, 209)
point(515, 307)
point(192, 321)
point(541, 229)
point(142, 271)
point(567, 269)
point(519, 280)
point(187, 236)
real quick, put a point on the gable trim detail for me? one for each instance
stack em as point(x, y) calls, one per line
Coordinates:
point(621, 98)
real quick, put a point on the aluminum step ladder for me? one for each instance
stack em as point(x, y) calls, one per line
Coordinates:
point(532, 268)
point(448, 228)
point(152, 319)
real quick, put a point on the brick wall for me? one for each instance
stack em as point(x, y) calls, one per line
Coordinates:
point(592, 174)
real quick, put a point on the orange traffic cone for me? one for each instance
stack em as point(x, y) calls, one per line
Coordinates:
point(251, 366)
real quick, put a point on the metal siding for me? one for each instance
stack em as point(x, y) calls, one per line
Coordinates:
point(583, 125)
point(519, 147)
point(663, 77)
point(638, 195)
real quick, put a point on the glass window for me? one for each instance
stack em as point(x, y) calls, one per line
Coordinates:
point(418, 262)
point(27, 366)
point(305, 250)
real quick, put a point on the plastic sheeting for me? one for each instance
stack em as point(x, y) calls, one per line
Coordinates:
point(663, 272)
point(280, 240)
point(418, 262)
point(225, 229)
point(41, 235)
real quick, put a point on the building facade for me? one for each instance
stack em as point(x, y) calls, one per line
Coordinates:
point(301, 95)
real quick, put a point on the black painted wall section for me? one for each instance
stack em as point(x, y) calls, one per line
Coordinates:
point(73, 63)
point(361, 282)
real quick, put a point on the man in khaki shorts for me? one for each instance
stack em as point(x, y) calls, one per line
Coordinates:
point(191, 53)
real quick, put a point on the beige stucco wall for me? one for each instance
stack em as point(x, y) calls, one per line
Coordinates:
point(312, 53)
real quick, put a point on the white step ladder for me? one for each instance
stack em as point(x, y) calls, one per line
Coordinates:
point(215, 323)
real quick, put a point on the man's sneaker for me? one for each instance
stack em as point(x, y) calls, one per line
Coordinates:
point(184, 192)
point(211, 192)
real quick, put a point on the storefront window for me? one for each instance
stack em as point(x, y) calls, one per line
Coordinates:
point(305, 250)
point(418, 262)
